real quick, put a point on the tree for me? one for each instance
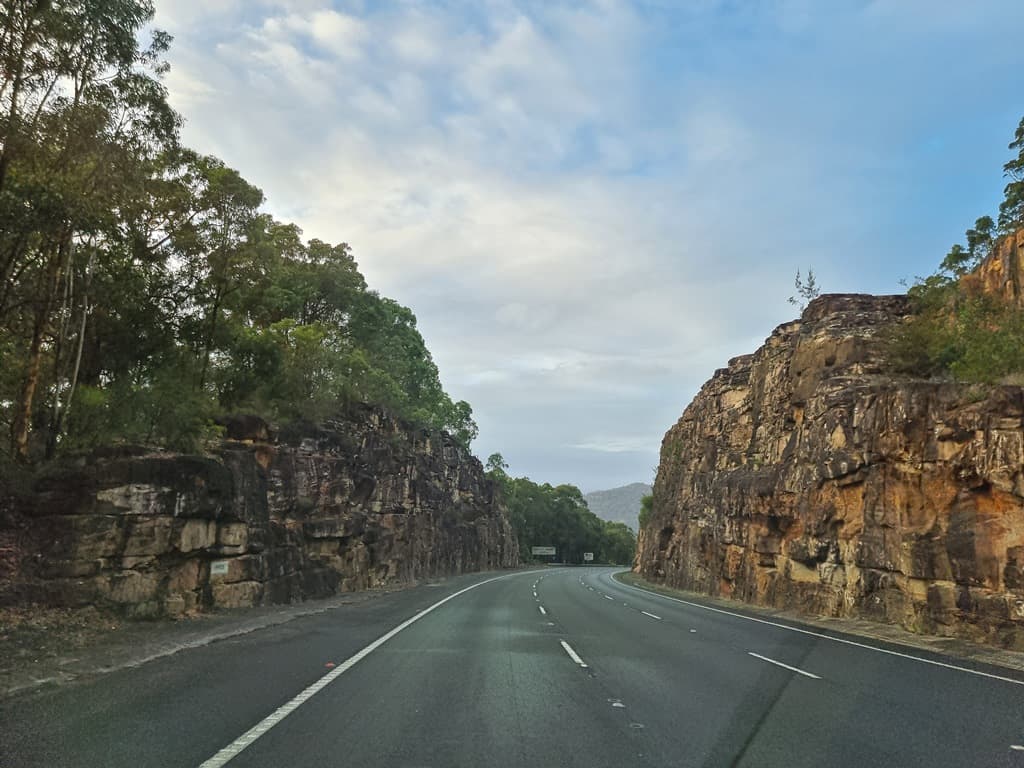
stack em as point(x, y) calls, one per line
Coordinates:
point(458, 420)
point(960, 260)
point(82, 111)
point(646, 509)
point(957, 330)
point(979, 238)
point(143, 290)
point(496, 464)
point(546, 515)
point(218, 246)
point(618, 543)
point(1011, 210)
point(806, 290)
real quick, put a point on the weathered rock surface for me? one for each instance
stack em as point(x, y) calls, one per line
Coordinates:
point(1002, 273)
point(360, 501)
point(806, 476)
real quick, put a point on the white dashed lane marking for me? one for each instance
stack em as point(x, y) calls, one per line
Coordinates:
point(645, 613)
point(235, 747)
point(784, 666)
point(542, 611)
point(830, 638)
point(573, 655)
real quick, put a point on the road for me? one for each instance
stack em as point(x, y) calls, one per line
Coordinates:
point(558, 667)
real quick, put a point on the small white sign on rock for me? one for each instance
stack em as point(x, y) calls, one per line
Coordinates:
point(219, 568)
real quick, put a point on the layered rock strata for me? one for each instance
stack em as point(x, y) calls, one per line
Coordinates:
point(806, 476)
point(360, 501)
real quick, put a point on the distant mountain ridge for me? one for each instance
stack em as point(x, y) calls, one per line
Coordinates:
point(620, 505)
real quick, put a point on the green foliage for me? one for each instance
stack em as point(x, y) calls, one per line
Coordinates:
point(163, 410)
point(619, 543)
point(953, 333)
point(646, 509)
point(142, 288)
point(990, 340)
point(1011, 210)
point(956, 330)
point(495, 466)
point(546, 515)
point(960, 260)
point(926, 343)
point(807, 290)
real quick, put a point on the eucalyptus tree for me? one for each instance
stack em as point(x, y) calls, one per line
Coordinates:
point(1011, 211)
point(143, 289)
point(83, 112)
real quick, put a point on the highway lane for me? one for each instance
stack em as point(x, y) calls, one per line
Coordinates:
point(178, 710)
point(560, 667)
point(847, 705)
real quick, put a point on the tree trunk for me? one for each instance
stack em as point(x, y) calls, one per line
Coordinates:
point(62, 415)
point(21, 424)
point(63, 338)
point(208, 342)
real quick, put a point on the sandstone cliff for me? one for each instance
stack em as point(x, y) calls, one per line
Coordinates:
point(805, 475)
point(1002, 273)
point(360, 501)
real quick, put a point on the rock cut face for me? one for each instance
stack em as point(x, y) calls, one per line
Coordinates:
point(1002, 273)
point(805, 476)
point(360, 501)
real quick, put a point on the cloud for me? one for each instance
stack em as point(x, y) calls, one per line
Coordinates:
point(334, 33)
point(618, 444)
point(591, 206)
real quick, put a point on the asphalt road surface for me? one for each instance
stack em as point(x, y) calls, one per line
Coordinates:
point(558, 667)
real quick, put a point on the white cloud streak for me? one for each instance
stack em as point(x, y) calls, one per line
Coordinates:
point(589, 206)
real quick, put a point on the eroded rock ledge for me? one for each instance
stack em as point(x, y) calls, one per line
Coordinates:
point(805, 476)
point(359, 501)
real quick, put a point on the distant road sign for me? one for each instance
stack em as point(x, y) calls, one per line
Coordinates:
point(588, 556)
point(542, 550)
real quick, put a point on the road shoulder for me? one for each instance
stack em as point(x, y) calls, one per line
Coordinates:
point(42, 648)
point(862, 628)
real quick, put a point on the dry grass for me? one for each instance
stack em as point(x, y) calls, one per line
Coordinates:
point(34, 632)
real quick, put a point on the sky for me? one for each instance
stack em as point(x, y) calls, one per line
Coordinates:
point(591, 206)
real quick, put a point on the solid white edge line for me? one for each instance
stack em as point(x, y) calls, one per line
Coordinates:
point(823, 636)
point(542, 611)
point(645, 613)
point(235, 747)
point(780, 664)
point(572, 654)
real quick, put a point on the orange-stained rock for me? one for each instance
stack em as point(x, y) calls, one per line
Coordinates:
point(806, 476)
point(1002, 273)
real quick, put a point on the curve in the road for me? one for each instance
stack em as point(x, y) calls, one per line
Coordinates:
point(232, 750)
